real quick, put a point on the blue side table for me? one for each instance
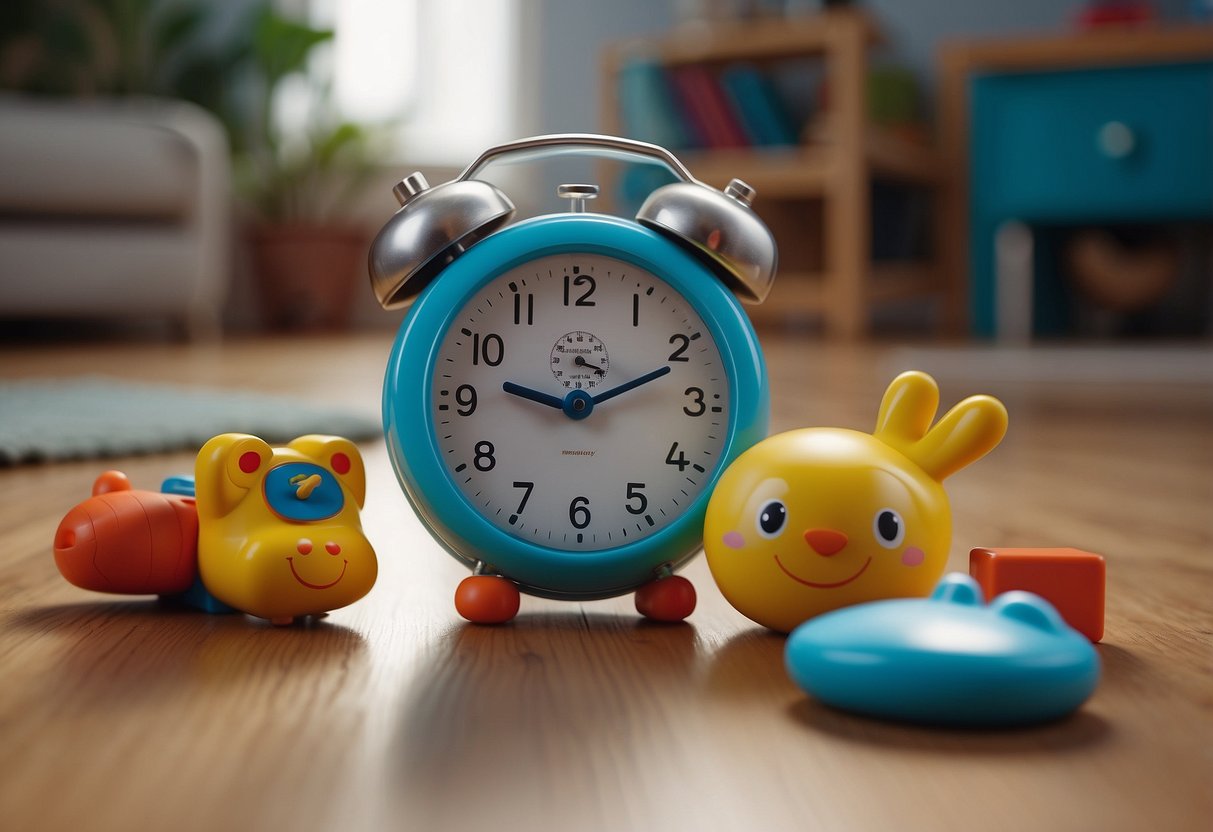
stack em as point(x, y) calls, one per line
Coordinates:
point(1088, 128)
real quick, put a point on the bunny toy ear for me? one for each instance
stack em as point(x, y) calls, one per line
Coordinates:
point(964, 435)
point(906, 410)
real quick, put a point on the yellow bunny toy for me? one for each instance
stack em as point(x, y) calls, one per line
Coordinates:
point(820, 518)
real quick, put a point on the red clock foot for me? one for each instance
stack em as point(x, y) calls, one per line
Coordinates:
point(487, 599)
point(666, 599)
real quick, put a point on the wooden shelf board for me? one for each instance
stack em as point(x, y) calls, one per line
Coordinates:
point(763, 39)
point(897, 281)
point(808, 171)
point(794, 293)
point(898, 158)
point(1113, 46)
point(782, 172)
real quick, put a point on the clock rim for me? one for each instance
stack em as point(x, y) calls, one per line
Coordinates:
point(455, 522)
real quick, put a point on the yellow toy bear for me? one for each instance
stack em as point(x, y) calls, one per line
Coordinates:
point(279, 530)
point(820, 518)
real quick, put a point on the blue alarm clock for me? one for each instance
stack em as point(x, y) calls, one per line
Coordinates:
point(565, 390)
point(947, 660)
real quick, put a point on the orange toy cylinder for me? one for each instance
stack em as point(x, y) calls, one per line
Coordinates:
point(130, 542)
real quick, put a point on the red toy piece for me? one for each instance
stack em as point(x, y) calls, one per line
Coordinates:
point(1070, 579)
point(129, 541)
point(666, 599)
point(487, 599)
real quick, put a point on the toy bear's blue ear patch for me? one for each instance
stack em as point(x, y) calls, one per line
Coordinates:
point(1030, 609)
point(958, 588)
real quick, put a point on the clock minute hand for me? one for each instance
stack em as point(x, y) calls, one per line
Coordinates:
point(534, 395)
point(631, 385)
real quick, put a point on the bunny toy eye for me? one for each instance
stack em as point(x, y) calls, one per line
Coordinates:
point(771, 519)
point(889, 528)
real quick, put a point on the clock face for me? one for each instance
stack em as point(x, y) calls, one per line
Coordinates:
point(579, 402)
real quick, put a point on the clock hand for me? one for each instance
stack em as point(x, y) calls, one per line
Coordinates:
point(581, 362)
point(534, 395)
point(631, 385)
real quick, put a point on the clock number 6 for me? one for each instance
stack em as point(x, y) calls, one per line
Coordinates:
point(579, 512)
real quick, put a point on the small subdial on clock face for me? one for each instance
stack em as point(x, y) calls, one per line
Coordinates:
point(580, 360)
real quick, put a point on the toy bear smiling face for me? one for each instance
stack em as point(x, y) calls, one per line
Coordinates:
point(280, 535)
point(815, 519)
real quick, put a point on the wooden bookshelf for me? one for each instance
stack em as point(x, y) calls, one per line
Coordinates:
point(834, 166)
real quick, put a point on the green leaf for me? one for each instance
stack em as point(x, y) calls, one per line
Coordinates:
point(177, 26)
point(329, 144)
point(282, 46)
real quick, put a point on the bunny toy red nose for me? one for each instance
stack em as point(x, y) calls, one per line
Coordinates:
point(825, 542)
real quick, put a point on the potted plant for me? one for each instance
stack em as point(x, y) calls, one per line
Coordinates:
point(298, 183)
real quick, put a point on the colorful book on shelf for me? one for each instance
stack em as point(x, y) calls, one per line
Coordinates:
point(700, 93)
point(758, 107)
point(647, 105)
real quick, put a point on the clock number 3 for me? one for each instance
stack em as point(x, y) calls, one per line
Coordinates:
point(700, 405)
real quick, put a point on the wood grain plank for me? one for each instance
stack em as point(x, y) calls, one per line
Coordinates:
point(119, 714)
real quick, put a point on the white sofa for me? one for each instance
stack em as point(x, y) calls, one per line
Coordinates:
point(116, 209)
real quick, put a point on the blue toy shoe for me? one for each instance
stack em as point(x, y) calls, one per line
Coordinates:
point(947, 660)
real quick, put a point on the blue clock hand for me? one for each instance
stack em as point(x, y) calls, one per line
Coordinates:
point(534, 395)
point(631, 385)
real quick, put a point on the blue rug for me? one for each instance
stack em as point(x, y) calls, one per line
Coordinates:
point(93, 417)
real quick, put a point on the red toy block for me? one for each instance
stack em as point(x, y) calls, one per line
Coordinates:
point(1070, 579)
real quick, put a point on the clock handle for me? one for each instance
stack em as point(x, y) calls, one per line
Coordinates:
point(719, 227)
point(558, 144)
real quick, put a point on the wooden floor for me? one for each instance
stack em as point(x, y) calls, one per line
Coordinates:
point(120, 715)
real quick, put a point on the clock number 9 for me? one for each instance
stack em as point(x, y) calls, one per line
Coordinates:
point(579, 512)
point(465, 397)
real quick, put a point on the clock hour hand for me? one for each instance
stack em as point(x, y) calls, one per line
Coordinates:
point(581, 362)
point(534, 395)
point(630, 385)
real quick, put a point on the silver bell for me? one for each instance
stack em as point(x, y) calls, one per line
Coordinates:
point(720, 227)
point(432, 228)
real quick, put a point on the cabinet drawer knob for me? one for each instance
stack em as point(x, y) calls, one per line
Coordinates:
point(1116, 140)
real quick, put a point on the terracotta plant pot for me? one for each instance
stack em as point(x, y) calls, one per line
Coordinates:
point(307, 274)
